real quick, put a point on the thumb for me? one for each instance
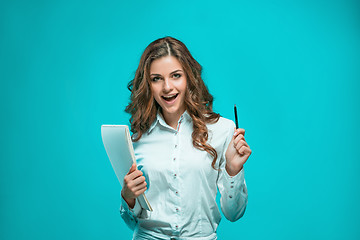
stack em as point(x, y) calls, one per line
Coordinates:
point(235, 133)
point(231, 143)
point(133, 168)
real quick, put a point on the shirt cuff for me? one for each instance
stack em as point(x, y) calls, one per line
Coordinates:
point(133, 211)
point(233, 183)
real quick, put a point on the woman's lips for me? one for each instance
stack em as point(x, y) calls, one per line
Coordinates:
point(171, 99)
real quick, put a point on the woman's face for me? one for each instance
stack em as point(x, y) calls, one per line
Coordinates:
point(168, 85)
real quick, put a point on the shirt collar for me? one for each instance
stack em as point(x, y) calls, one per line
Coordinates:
point(160, 119)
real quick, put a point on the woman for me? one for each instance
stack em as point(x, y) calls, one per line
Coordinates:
point(184, 150)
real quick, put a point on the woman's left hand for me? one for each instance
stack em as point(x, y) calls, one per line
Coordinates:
point(237, 152)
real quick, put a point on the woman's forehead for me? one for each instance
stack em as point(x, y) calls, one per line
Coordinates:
point(164, 65)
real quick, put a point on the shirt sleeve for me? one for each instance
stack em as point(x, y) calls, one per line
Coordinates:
point(130, 216)
point(233, 190)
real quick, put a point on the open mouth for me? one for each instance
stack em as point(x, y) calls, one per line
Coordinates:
point(170, 98)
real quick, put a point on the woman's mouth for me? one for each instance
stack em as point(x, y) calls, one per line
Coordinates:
point(170, 98)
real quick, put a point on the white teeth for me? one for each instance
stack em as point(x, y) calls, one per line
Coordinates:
point(170, 96)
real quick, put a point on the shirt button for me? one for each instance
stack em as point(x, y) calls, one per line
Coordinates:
point(174, 159)
point(177, 192)
point(175, 145)
point(231, 186)
point(175, 175)
point(230, 196)
point(177, 209)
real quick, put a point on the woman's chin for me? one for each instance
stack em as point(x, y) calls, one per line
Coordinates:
point(172, 110)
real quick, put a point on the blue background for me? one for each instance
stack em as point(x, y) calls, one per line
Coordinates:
point(292, 68)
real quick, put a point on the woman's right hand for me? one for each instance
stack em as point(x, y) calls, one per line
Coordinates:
point(134, 185)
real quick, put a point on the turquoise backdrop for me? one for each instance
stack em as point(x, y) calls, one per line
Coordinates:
point(292, 68)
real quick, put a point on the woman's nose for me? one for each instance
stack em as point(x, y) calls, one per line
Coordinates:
point(167, 87)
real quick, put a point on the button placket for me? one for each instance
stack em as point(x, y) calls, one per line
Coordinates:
point(176, 163)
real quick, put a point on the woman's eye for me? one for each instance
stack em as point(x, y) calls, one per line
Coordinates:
point(155, 79)
point(177, 75)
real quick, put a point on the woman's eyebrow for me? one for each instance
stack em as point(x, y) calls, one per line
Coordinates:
point(170, 73)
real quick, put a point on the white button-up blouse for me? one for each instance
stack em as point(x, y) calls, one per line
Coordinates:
point(182, 185)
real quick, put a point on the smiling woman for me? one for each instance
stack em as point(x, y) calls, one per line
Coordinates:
point(185, 150)
point(169, 88)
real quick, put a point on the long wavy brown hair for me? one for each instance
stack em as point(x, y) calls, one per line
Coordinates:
point(198, 101)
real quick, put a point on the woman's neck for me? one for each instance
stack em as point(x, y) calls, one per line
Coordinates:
point(173, 118)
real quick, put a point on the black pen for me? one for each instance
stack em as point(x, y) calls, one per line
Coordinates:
point(236, 119)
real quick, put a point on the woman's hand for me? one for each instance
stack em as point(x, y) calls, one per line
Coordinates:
point(134, 185)
point(237, 152)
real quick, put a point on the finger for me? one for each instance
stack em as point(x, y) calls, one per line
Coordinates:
point(238, 146)
point(248, 151)
point(241, 151)
point(240, 143)
point(239, 131)
point(238, 138)
point(243, 142)
point(132, 168)
point(139, 187)
point(135, 174)
point(138, 180)
point(138, 193)
point(244, 151)
point(130, 177)
point(130, 192)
